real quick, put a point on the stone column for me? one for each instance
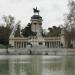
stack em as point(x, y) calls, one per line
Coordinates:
point(18, 44)
point(51, 44)
point(57, 44)
point(46, 44)
point(54, 44)
point(74, 44)
point(22, 44)
point(15, 44)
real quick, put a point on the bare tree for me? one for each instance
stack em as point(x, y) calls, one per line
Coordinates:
point(9, 22)
point(70, 17)
point(70, 24)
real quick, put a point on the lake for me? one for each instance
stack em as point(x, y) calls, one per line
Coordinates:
point(37, 65)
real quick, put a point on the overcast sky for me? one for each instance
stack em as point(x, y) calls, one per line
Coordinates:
point(52, 11)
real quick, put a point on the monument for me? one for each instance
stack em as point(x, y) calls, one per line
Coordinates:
point(37, 40)
point(36, 21)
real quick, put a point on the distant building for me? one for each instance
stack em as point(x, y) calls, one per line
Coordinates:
point(39, 40)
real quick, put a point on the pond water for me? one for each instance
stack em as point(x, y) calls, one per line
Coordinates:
point(37, 65)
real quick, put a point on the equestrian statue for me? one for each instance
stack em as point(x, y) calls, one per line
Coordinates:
point(36, 10)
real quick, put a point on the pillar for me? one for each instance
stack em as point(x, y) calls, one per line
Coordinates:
point(55, 44)
point(50, 44)
point(18, 44)
point(24, 44)
point(15, 44)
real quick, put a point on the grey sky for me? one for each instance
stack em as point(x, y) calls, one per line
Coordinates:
point(52, 11)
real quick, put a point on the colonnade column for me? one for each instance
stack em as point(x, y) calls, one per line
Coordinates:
point(18, 44)
point(59, 44)
point(23, 44)
point(53, 44)
point(49, 44)
point(15, 44)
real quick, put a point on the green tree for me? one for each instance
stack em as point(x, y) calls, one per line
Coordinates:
point(8, 22)
point(54, 31)
point(3, 35)
point(17, 32)
point(27, 31)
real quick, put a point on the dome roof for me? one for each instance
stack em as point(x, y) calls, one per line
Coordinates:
point(36, 17)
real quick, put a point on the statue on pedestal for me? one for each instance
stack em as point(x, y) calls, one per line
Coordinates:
point(36, 10)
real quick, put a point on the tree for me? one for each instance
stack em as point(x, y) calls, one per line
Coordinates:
point(8, 22)
point(70, 24)
point(27, 31)
point(3, 35)
point(54, 31)
point(70, 17)
point(17, 32)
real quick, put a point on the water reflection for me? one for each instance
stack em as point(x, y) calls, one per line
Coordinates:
point(4, 67)
point(37, 65)
point(69, 65)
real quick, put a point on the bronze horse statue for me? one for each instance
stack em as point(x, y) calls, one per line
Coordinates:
point(35, 10)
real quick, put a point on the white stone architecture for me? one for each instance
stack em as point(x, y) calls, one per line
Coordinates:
point(38, 40)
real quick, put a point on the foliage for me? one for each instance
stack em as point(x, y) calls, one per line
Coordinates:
point(8, 22)
point(17, 32)
point(27, 31)
point(54, 31)
point(4, 35)
point(6, 29)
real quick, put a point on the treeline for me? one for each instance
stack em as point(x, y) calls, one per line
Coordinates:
point(4, 35)
point(6, 29)
point(54, 31)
